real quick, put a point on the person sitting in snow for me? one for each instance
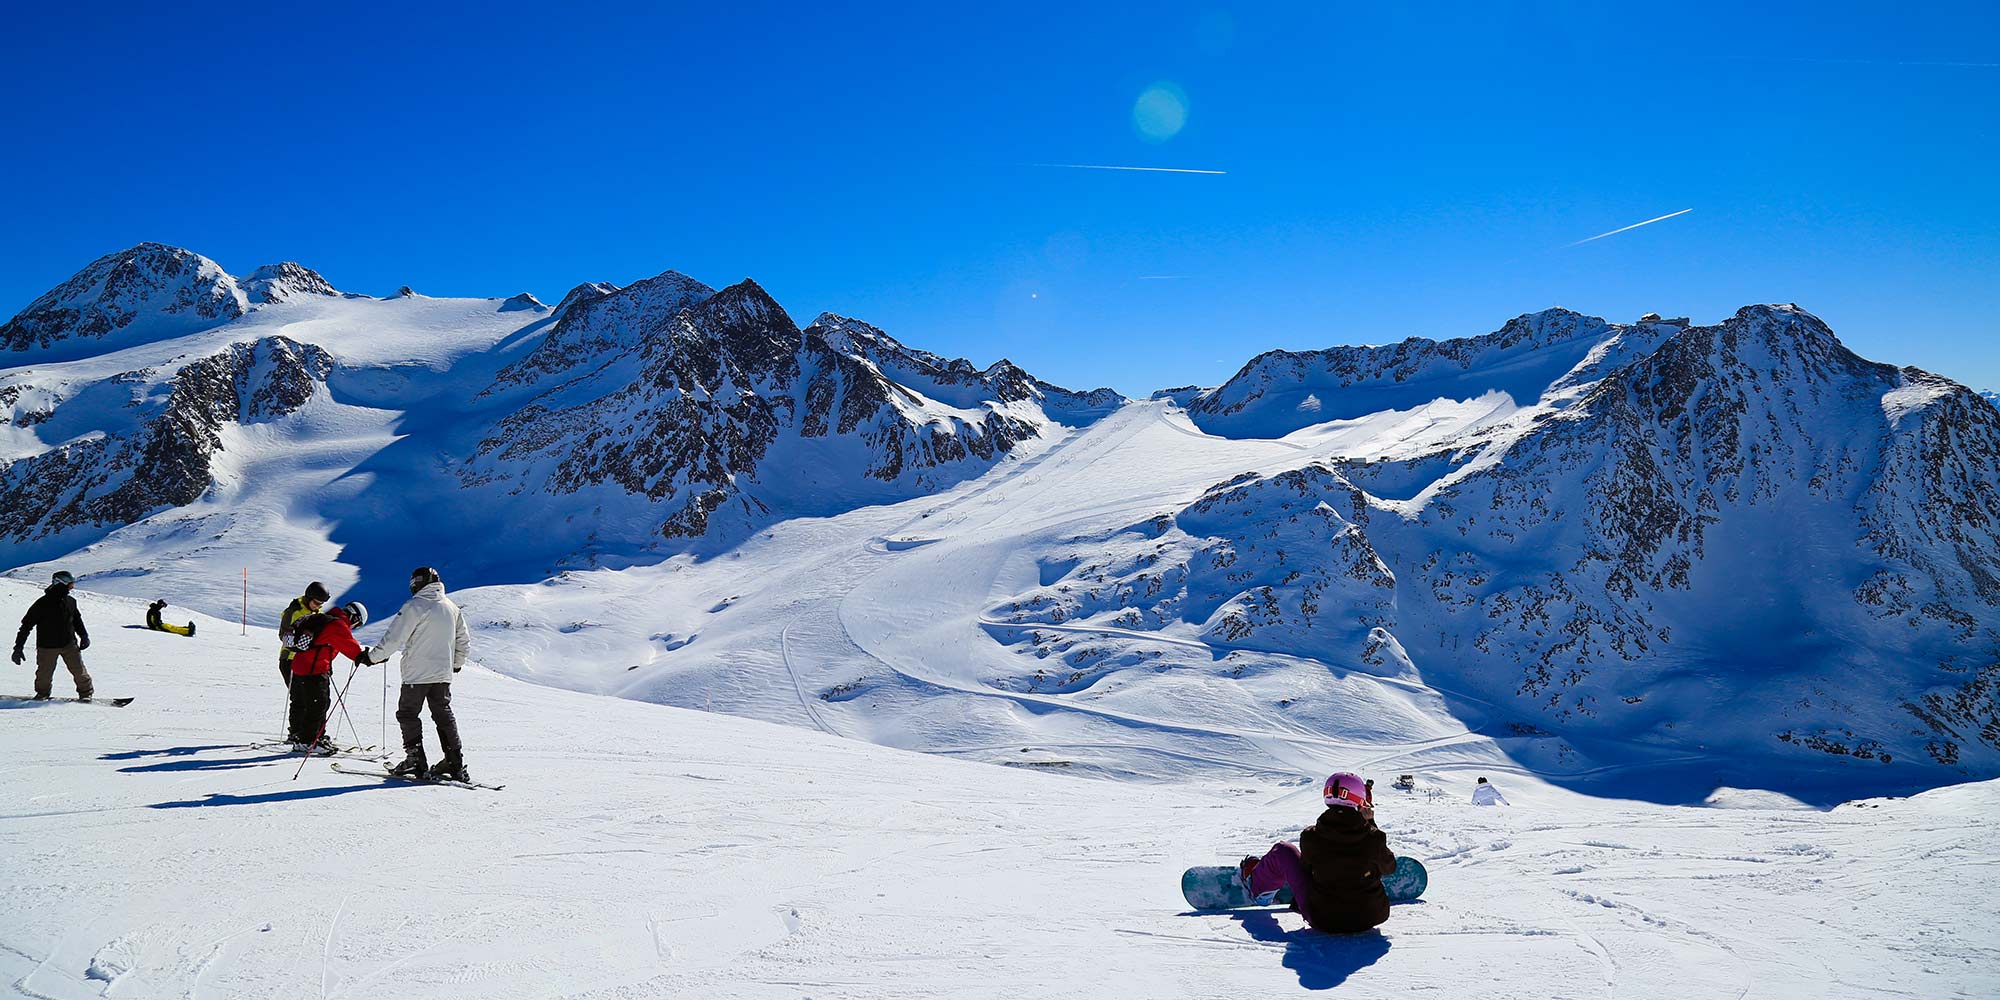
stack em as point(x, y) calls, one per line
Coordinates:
point(153, 621)
point(1335, 871)
point(319, 639)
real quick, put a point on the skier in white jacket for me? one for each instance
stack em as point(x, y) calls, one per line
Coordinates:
point(1484, 794)
point(430, 633)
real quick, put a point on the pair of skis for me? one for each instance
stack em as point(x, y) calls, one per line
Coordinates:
point(412, 779)
point(286, 746)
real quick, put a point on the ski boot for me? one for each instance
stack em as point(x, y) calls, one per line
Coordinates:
point(412, 766)
point(450, 769)
point(1243, 870)
point(323, 748)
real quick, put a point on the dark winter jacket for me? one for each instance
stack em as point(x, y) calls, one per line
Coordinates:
point(56, 622)
point(289, 621)
point(331, 637)
point(1346, 856)
point(153, 614)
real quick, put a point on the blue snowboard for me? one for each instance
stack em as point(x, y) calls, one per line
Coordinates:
point(1214, 887)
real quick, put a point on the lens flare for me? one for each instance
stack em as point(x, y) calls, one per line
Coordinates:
point(1160, 112)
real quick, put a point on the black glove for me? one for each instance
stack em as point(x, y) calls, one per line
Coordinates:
point(83, 644)
point(19, 657)
point(456, 669)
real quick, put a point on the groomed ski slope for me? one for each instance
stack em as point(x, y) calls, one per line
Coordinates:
point(874, 624)
point(648, 851)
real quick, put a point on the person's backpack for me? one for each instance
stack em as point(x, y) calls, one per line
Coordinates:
point(305, 631)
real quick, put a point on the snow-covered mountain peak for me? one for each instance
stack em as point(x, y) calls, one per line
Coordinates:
point(1279, 392)
point(1545, 328)
point(282, 281)
point(595, 328)
point(148, 292)
point(1789, 333)
point(586, 292)
point(524, 302)
point(852, 336)
point(743, 309)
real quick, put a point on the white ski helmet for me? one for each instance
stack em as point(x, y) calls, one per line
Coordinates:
point(357, 614)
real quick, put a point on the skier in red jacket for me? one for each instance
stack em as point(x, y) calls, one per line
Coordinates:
point(318, 639)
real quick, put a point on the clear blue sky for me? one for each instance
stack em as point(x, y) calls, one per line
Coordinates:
point(1391, 169)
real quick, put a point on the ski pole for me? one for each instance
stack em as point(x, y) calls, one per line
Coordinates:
point(351, 727)
point(340, 697)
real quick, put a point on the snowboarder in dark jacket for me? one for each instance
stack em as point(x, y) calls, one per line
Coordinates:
point(59, 634)
point(1335, 872)
point(154, 622)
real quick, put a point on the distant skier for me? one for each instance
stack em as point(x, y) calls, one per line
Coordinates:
point(314, 599)
point(1335, 871)
point(59, 634)
point(1484, 794)
point(430, 633)
point(318, 639)
point(153, 613)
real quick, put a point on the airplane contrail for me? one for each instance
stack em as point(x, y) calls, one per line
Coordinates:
point(1634, 225)
point(1150, 170)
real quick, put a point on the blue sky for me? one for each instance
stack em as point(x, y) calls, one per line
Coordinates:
point(1389, 169)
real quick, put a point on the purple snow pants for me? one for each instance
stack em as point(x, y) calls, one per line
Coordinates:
point(1282, 867)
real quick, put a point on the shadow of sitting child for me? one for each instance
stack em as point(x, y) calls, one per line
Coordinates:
point(1321, 960)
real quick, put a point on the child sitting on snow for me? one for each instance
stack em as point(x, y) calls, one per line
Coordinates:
point(1335, 871)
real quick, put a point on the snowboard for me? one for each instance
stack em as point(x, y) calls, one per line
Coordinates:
point(386, 776)
point(1214, 887)
point(106, 702)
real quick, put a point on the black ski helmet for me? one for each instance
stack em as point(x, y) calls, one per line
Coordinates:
point(357, 614)
point(421, 577)
point(316, 591)
point(62, 578)
point(159, 603)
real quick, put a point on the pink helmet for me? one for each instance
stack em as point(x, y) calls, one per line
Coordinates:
point(1345, 790)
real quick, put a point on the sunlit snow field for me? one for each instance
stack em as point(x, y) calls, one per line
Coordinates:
point(647, 851)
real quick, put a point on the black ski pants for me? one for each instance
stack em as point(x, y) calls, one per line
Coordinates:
point(414, 697)
point(312, 695)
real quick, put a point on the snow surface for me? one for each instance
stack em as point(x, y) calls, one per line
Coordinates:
point(646, 851)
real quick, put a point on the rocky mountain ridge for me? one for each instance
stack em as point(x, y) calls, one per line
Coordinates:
point(1744, 516)
point(656, 407)
point(678, 393)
